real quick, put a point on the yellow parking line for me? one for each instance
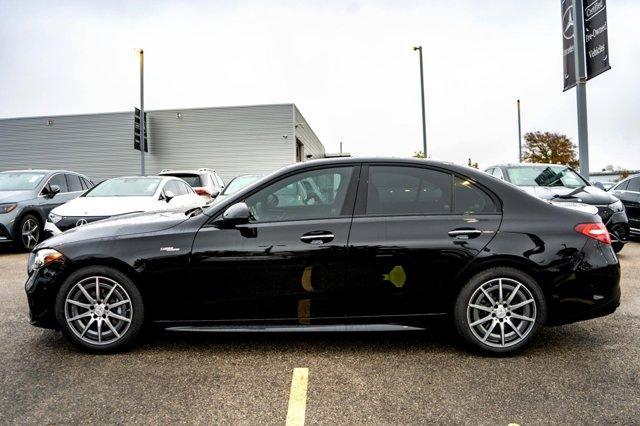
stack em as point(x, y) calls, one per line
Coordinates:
point(298, 397)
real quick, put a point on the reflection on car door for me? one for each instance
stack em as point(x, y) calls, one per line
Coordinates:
point(289, 262)
point(413, 230)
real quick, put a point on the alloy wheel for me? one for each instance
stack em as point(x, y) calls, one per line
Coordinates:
point(30, 233)
point(501, 312)
point(98, 310)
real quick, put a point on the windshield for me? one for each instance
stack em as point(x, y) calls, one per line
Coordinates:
point(19, 181)
point(238, 183)
point(125, 187)
point(545, 176)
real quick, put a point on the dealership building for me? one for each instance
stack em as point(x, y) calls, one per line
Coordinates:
point(231, 140)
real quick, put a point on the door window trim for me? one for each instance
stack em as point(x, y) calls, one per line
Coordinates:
point(350, 197)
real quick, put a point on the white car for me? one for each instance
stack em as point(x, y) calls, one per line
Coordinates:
point(123, 195)
point(206, 182)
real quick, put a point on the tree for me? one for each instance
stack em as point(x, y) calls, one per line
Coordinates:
point(547, 147)
point(418, 154)
point(472, 164)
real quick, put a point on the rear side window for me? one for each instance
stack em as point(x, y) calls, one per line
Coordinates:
point(468, 198)
point(75, 185)
point(397, 190)
point(86, 184)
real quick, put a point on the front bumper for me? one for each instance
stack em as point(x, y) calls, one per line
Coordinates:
point(41, 288)
point(51, 230)
point(8, 225)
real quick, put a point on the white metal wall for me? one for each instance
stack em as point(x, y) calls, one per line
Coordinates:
point(232, 140)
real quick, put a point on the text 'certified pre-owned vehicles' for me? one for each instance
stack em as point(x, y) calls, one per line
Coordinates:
point(120, 196)
point(27, 197)
point(205, 182)
point(380, 244)
point(562, 185)
point(628, 191)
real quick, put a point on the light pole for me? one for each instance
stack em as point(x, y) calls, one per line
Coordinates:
point(424, 123)
point(581, 89)
point(142, 140)
point(519, 136)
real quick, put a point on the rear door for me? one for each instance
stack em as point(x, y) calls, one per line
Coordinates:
point(415, 228)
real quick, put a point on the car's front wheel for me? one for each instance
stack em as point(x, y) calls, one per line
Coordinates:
point(100, 309)
point(30, 231)
point(500, 310)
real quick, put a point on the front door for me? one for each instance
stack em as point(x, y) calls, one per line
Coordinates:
point(289, 261)
point(413, 231)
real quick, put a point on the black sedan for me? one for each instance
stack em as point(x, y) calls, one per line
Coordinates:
point(628, 191)
point(563, 185)
point(368, 244)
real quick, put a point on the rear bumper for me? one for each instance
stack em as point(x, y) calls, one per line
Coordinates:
point(590, 290)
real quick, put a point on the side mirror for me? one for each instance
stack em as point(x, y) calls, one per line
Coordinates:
point(599, 185)
point(168, 196)
point(237, 214)
point(52, 191)
point(215, 193)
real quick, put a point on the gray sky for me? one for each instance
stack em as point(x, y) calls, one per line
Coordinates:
point(349, 66)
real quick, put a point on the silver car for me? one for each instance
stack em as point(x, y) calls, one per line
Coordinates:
point(27, 197)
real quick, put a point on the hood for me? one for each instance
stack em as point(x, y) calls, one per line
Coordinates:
point(135, 223)
point(106, 206)
point(15, 196)
point(587, 195)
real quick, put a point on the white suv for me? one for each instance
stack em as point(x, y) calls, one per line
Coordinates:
point(205, 182)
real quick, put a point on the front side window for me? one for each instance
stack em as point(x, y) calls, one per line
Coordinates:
point(19, 181)
point(397, 190)
point(59, 180)
point(125, 187)
point(315, 194)
point(469, 199)
point(634, 185)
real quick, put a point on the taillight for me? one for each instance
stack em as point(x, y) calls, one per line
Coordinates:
point(201, 191)
point(596, 230)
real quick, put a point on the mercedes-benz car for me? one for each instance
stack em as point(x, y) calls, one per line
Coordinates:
point(122, 195)
point(386, 245)
point(628, 191)
point(27, 197)
point(564, 186)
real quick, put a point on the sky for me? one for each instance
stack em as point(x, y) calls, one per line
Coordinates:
point(349, 66)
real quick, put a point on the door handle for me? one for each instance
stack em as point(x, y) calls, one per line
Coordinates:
point(317, 237)
point(465, 233)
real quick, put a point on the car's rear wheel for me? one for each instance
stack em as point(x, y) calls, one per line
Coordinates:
point(100, 309)
point(500, 310)
point(30, 231)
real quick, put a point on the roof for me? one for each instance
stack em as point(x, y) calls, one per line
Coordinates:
point(41, 171)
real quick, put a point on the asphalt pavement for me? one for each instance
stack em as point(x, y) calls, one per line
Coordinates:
point(584, 373)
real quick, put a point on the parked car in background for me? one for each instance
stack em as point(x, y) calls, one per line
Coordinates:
point(562, 185)
point(27, 197)
point(628, 191)
point(236, 184)
point(388, 244)
point(120, 196)
point(205, 182)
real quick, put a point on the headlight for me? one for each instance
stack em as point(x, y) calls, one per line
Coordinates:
point(6, 208)
point(54, 218)
point(617, 206)
point(43, 257)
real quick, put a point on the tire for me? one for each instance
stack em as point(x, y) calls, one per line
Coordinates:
point(100, 324)
point(29, 232)
point(500, 328)
point(617, 247)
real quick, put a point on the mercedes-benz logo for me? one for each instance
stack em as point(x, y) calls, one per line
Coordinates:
point(567, 23)
point(81, 222)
